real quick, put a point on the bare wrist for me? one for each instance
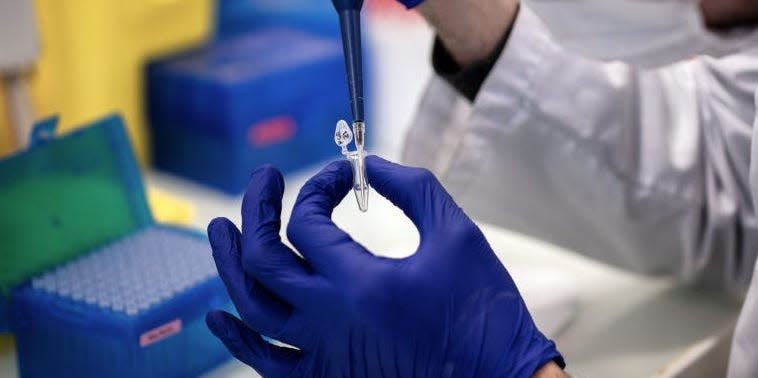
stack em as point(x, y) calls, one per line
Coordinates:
point(725, 14)
point(470, 29)
point(550, 370)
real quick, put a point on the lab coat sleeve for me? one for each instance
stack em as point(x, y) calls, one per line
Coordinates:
point(646, 170)
point(743, 362)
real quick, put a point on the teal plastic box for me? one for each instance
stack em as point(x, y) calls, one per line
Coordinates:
point(91, 285)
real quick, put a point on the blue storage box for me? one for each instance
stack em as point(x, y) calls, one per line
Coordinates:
point(235, 17)
point(91, 285)
point(272, 96)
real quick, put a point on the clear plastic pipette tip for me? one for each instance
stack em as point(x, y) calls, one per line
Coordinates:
point(343, 136)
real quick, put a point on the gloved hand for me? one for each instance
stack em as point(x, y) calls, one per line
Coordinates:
point(449, 310)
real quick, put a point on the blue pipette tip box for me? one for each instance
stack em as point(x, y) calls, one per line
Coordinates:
point(116, 295)
point(266, 97)
point(134, 308)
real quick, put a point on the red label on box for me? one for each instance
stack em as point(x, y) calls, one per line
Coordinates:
point(159, 333)
point(271, 131)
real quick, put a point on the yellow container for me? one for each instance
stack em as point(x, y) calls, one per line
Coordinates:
point(170, 209)
point(91, 63)
point(7, 355)
point(93, 53)
point(7, 140)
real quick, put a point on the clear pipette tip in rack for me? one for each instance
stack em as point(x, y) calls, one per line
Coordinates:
point(343, 136)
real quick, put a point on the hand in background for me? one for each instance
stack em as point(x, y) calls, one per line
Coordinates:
point(470, 29)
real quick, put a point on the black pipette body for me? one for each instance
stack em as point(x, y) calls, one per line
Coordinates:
point(349, 12)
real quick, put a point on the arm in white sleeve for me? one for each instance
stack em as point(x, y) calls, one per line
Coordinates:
point(647, 170)
point(742, 361)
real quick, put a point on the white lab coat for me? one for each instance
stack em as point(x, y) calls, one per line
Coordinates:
point(647, 170)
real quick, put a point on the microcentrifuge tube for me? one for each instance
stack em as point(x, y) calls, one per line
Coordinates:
point(360, 185)
point(343, 136)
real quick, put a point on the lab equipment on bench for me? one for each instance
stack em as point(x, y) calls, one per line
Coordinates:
point(349, 12)
point(263, 97)
point(91, 285)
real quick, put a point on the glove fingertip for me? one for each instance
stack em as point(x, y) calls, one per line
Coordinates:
point(410, 4)
point(266, 170)
point(340, 169)
point(216, 323)
point(331, 184)
point(379, 169)
point(375, 159)
point(265, 181)
point(218, 233)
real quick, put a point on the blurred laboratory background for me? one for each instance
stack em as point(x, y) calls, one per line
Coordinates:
point(149, 117)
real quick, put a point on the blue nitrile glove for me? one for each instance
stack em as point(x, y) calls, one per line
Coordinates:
point(410, 3)
point(450, 310)
point(357, 4)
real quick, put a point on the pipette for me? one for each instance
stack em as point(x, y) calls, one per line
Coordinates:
point(349, 12)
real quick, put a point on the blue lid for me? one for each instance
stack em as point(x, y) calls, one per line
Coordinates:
point(223, 87)
point(64, 196)
point(235, 17)
point(251, 55)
